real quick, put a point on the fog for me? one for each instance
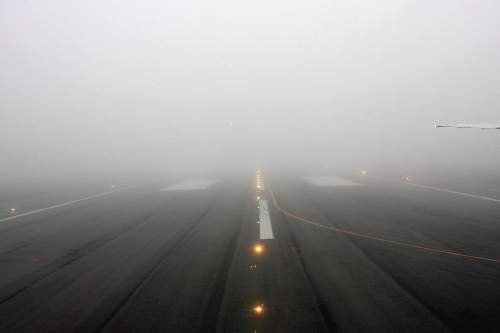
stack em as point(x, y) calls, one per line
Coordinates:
point(100, 88)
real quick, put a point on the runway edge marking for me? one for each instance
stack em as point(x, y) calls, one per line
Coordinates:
point(375, 238)
point(438, 189)
point(67, 203)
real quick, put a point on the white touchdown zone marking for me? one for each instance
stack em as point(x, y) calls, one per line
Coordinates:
point(191, 185)
point(330, 181)
point(266, 230)
point(67, 203)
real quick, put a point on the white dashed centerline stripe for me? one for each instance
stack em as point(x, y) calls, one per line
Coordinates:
point(67, 203)
point(438, 189)
point(266, 231)
point(261, 186)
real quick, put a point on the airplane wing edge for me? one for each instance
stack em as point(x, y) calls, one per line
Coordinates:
point(480, 126)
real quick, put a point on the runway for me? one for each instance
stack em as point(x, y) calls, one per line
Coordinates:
point(138, 257)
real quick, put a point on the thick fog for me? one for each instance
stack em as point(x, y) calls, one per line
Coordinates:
point(103, 87)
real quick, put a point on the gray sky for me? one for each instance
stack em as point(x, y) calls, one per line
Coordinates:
point(124, 85)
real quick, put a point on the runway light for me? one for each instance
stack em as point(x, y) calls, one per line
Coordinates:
point(258, 248)
point(364, 171)
point(258, 197)
point(113, 186)
point(258, 309)
point(13, 209)
point(407, 178)
point(35, 259)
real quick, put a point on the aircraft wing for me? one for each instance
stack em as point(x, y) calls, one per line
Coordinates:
point(481, 126)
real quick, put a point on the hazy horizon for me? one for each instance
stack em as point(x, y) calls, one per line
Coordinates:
point(121, 86)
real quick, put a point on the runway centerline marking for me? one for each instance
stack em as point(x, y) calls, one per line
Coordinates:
point(67, 203)
point(261, 186)
point(438, 189)
point(374, 238)
point(191, 185)
point(266, 230)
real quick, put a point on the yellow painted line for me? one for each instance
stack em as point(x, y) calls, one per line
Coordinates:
point(374, 238)
point(435, 188)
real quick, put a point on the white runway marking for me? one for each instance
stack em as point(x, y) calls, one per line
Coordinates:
point(266, 230)
point(330, 181)
point(191, 185)
point(67, 203)
point(439, 189)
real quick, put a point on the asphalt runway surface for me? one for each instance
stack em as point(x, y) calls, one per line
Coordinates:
point(133, 258)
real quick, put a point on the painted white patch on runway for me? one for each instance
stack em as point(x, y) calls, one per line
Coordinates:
point(330, 181)
point(266, 230)
point(191, 185)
